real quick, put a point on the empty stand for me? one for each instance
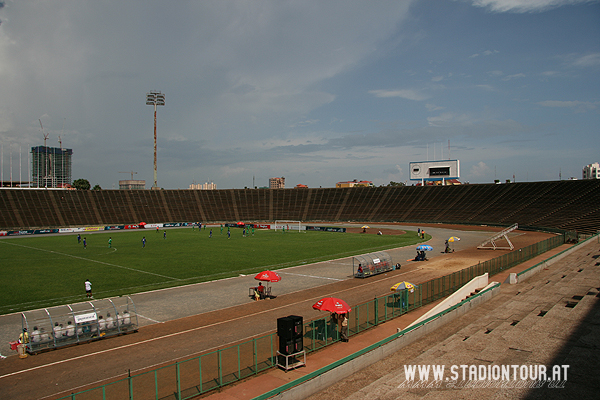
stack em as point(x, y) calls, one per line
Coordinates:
point(569, 205)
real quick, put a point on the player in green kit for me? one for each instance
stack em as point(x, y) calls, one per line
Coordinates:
point(109, 242)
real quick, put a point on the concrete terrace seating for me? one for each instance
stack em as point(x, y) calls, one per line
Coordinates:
point(569, 205)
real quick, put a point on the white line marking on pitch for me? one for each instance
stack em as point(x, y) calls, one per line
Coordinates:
point(312, 276)
point(87, 259)
point(150, 319)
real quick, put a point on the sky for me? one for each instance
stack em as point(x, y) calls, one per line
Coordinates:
point(315, 91)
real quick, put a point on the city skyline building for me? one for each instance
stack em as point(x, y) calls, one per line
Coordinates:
point(204, 186)
point(51, 167)
point(591, 171)
point(277, 183)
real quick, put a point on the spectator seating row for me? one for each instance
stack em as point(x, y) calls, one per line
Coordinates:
point(569, 205)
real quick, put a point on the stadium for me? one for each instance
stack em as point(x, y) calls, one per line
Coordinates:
point(201, 340)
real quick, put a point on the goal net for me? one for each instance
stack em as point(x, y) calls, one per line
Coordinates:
point(289, 225)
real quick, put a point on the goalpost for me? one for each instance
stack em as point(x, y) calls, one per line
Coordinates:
point(289, 225)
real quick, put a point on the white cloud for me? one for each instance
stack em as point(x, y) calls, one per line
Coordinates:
point(409, 94)
point(514, 76)
point(448, 119)
point(433, 107)
point(489, 88)
point(525, 6)
point(437, 78)
point(479, 169)
point(589, 60)
point(579, 106)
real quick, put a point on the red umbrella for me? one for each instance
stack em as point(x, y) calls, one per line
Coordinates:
point(333, 305)
point(142, 224)
point(268, 276)
point(241, 223)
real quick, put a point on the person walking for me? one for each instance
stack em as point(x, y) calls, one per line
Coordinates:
point(88, 289)
point(221, 229)
point(164, 234)
point(143, 242)
point(110, 242)
point(228, 234)
point(84, 243)
point(78, 238)
point(210, 234)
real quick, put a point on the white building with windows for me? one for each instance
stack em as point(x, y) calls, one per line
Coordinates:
point(204, 186)
point(591, 171)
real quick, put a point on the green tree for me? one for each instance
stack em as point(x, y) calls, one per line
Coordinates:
point(97, 187)
point(392, 183)
point(81, 184)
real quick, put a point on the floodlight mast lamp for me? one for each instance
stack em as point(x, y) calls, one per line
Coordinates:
point(155, 99)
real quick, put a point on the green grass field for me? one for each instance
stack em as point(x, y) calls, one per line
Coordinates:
point(49, 270)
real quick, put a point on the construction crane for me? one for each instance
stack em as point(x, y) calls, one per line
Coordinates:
point(45, 134)
point(47, 156)
point(128, 172)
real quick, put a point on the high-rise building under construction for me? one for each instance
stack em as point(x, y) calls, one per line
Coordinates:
point(50, 167)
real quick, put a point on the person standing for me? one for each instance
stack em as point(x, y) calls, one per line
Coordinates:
point(221, 229)
point(24, 337)
point(228, 234)
point(84, 243)
point(88, 289)
point(143, 242)
point(110, 242)
point(210, 234)
point(164, 234)
point(252, 230)
point(78, 238)
point(344, 327)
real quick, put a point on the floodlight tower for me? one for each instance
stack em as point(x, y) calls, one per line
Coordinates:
point(155, 99)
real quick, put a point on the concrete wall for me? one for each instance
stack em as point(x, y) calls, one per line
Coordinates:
point(478, 282)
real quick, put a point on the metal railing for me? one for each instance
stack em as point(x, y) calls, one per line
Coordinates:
point(188, 378)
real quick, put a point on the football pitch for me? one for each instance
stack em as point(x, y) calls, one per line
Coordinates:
point(51, 270)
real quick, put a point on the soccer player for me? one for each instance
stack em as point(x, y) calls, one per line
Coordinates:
point(210, 234)
point(78, 238)
point(143, 242)
point(228, 234)
point(253, 231)
point(221, 229)
point(84, 243)
point(109, 242)
point(164, 234)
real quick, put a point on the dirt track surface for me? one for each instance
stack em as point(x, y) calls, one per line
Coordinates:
point(189, 333)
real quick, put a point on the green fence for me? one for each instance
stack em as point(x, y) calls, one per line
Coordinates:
point(189, 378)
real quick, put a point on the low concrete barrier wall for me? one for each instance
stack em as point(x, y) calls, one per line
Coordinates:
point(478, 282)
point(546, 263)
